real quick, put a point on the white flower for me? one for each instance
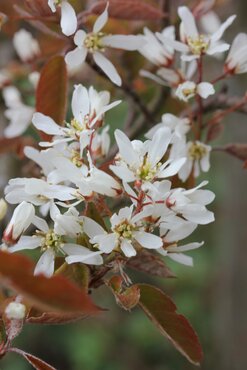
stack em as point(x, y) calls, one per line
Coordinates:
point(101, 143)
point(142, 161)
point(51, 244)
point(197, 154)
point(125, 233)
point(172, 77)
point(25, 45)
point(68, 16)
point(193, 43)
point(19, 114)
point(86, 180)
point(156, 52)
point(21, 219)
point(178, 126)
point(88, 108)
point(96, 42)
point(34, 78)
point(38, 192)
point(15, 311)
point(236, 61)
point(189, 89)
point(175, 252)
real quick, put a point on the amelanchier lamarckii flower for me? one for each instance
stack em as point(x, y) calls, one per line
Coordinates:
point(189, 89)
point(26, 46)
point(193, 44)
point(68, 20)
point(18, 113)
point(236, 61)
point(142, 161)
point(126, 231)
point(96, 42)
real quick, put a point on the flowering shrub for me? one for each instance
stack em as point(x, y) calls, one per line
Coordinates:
point(93, 205)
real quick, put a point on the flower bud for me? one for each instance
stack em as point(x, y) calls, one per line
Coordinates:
point(15, 311)
point(3, 208)
point(20, 221)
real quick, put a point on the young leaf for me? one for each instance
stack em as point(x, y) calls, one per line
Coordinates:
point(52, 89)
point(126, 297)
point(53, 318)
point(161, 310)
point(48, 294)
point(150, 264)
point(129, 9)
point(36, 362)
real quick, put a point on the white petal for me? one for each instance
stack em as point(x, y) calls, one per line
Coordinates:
point(45, 264)
point(181, 232)
point(68, 19)
point(173, 168)
point(181, 258)
point(159, 145)
point(46, 124)
point(92, 228)
point(93, 258)
point(76, 57)
point(26, 242)
point(127, 248)
point(217, 48)
point(218, 34)
point(198, 214)
point(106, 242)
point(188, 21)
point(123, 172)
point(205, 89)
point(125, 42)
point(125, 148)
point(80, 102)
point(79, 37)
point(185, 248)
point(101, 20)
point(107, 67)
point(147, 240)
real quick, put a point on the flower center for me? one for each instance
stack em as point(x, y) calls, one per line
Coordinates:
point(197, 151)
point(198, 45)
point(124, 229)
point(146, 172)
point(93, 42)
point(76, 158)
point(187, 92)
point(51, 240)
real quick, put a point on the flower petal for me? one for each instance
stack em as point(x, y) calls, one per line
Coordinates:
point(205, 89)
point(45, 264)
point(76, 57)
point(68, 19)
point(101, 20)
point(147, 240)
point(127, 248)
point(107, 67)
point(46, 124)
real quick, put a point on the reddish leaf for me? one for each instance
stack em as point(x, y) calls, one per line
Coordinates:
point(51, 318)
point(128, 9)
point(150, 264)
point(38, 7)
point(52, 89)
point(15, 145)
point(127, 298)
point(161, 310)
point(36, 362)
point(48, 294)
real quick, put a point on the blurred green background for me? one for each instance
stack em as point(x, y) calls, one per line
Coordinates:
point(212, 295)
